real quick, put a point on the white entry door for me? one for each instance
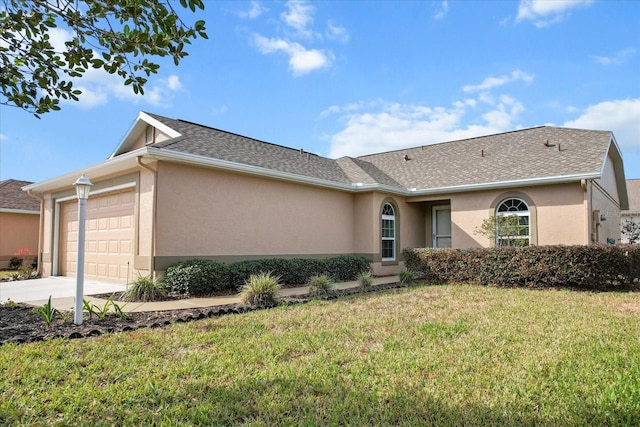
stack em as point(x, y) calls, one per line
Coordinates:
point(441, 226)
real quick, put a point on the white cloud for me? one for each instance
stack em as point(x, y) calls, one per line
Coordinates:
point(441, 11)
point(298, 16)
point(492, 82)
point(98, 87)
point(545, 12)
point(379, 126)
point(621, 116)
point(618, 58)
point(301, 60)
point(173, 83)
point(335, 32)
point(400, 126)
point(3, 137)
point(255, 11)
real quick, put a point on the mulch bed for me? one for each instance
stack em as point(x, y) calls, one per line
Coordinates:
point(19, 323)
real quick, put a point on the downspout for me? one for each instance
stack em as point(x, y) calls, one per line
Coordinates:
point(153, 214)
point(40, 229)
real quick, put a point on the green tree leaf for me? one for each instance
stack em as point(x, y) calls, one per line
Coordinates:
point(117, 36)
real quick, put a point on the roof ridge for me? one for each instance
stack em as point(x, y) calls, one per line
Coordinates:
point(463, 139)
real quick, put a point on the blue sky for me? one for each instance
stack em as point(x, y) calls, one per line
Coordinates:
point(343, 78)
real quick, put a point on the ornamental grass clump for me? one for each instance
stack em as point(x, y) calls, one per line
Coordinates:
point(145, 289)
point(260, 290)
point(365, 279)
point(406, 277)
point(320, 286)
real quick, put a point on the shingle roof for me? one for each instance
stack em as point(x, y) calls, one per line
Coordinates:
point(633, 189)
point(12, 196)
point(535, 153)
point(218, 144)
point(525, 154)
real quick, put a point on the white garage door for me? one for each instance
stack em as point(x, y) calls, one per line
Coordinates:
point(109, 237)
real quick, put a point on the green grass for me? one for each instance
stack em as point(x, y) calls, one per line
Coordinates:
point(442, 355)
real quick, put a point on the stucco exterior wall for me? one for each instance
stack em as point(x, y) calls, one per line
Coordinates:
point(18, 237)
point(557, 214)
point(46, 265)
point(149, 136)
point(212, 213)
point(608, 230)
point(608, 180)
point(145, 217)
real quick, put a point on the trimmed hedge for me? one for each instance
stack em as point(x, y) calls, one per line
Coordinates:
point(595, 267)
point(197, 276)
point(201, 276)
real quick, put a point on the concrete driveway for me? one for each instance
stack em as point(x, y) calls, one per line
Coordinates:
point(37, 291)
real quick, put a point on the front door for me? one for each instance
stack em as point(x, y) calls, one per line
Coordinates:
point(441, 226)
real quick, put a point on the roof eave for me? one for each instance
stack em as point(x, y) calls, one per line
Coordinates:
point(621, 182)
point(561, 179)
point(93, 172)
point(139, 125)
point(194, 159)
point(19, 211)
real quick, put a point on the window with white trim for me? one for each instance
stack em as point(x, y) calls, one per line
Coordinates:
point(512, 223)
point(388, 233)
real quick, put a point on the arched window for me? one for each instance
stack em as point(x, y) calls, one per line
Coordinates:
point(512, 223)
point(388, 233)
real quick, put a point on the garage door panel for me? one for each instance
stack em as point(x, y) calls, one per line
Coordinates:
point(108, 237)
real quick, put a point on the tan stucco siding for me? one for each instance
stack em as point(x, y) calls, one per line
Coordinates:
point(608, 230)
point(46, 265)
point(150, 135)
point(561, 218)
point(608, 180)
point(145, 218)
point(18, 237)
point(204, 212)
point(365, 223)
point(557, 214)
point(605, 199)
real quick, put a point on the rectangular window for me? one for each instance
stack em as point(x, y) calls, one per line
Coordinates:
point(388, 250)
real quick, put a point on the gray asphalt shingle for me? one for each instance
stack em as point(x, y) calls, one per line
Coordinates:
point(12, 196)
point(541, 152)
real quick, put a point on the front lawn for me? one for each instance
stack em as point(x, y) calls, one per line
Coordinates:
point(436, 355)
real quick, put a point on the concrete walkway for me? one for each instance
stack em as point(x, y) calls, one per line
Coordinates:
point(66, 302)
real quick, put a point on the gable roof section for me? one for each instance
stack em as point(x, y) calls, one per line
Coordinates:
point(542, 153)
point(13, 199)
point(535, 156)
point(633, 189)
point(214, 143)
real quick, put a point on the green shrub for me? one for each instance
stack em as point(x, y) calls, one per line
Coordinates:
point(346, 267)
point(144, 289)
point(365, 279)
point(594, 267)
point(320, 286)
point(201, 276)
point(197, 277)
point(24, 273)
point(260, 290)
point(15, 263)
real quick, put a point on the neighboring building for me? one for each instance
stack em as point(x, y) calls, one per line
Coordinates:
point(633, 213)
point(19, 223)
point(175, 190)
